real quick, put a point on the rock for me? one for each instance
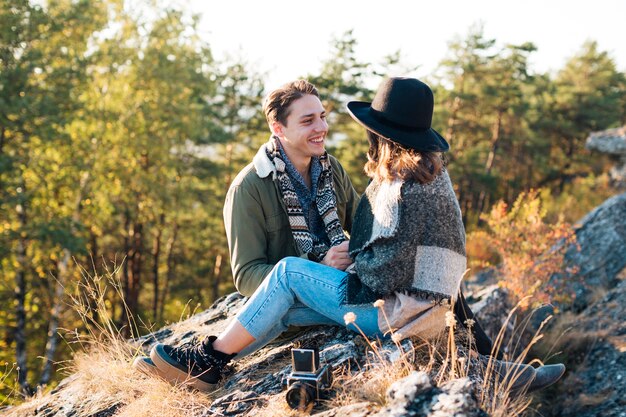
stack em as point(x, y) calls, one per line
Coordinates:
point(235, 403)
point(591, 264)
point(491, 306)
point(483, 297)
point(595, 354)
point(612, 142)
point(405, 390)
point(410, 396)
point(601, 237)
point(457, 399)
point(597, 349)
point(487, 276)
point(415, 395)
point(361, 409)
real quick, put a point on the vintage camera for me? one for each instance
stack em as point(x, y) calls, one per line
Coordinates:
point(307, 380)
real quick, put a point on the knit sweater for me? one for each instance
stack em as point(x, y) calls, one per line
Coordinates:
point(409, 248)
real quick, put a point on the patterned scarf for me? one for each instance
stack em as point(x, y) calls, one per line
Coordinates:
point(325, 201)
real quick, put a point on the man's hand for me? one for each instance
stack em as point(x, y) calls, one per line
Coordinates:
point(338, 257)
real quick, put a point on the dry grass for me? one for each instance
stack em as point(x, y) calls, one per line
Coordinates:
point(102, 377)
point(5, 381)
point(104, 380)
point(369, 383)
point(445, 358)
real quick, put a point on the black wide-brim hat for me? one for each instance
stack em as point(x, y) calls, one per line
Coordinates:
point(402, 111)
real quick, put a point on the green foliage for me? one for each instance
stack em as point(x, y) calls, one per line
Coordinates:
point(501, 119)
point(343, 78)
point(587, 95)
point(113, 148)
point(578, 198)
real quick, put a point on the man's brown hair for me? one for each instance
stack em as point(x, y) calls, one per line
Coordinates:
point(388, 161)
point(276, 104)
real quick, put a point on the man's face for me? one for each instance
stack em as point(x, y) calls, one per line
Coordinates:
point(306, 129)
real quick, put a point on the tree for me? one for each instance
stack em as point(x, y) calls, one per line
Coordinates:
point(587, 95)
point(43, 66)
point(343, 78)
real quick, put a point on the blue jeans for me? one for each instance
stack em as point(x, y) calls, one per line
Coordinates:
point(298, 292)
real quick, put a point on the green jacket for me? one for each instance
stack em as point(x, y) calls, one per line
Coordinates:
point(257, 227)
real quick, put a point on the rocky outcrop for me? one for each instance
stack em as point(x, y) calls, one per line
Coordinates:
point(594, 346)
point(600, 250)
point(415, 395)
point(612, 142)
point(256, 381)
point(591, 265)
point(255, 384)
point(595, 351)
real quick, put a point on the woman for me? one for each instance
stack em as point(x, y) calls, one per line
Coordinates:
point(408, 246)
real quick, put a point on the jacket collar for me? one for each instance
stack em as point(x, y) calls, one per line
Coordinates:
point(262, 163)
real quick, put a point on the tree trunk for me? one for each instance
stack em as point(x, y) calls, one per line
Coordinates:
point(134, 284)
point(170, 269)
point(452, 120)
point(565, 175)
point(456, 105)
point(62, 279)
point(20, 296)
point(96, 261)
point(462, 187)
point(2, 139)
point(229, 175)
point(216, 277)
point(124, 321)
point(495, 141)
point(53, 325)
point(156, 253)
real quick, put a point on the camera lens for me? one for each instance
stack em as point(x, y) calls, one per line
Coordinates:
point(299, 395)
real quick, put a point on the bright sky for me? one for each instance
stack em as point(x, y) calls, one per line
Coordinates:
point(288, 38)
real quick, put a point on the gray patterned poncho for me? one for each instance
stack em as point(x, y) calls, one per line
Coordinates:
point(408, 239)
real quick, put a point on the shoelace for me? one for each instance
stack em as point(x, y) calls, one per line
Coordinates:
point(195, 356)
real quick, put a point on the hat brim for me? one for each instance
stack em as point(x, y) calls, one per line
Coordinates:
point(425, 140)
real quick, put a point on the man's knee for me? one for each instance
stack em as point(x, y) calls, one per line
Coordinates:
point(292, 263)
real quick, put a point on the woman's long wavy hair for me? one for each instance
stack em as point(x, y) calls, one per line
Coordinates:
point(389, 161)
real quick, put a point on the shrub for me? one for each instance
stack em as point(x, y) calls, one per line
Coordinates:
point(531, 250)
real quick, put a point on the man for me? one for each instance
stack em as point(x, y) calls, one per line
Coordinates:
point(293, 199)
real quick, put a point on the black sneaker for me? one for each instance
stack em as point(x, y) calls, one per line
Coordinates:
point(546, 376)
point(195, 364)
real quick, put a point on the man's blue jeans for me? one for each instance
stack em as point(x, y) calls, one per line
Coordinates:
point(298, 292)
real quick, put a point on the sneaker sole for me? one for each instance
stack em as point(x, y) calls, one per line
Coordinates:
point(146, 365)
point(175, 375)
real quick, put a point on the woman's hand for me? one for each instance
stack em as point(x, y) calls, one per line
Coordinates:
point(338, 257)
